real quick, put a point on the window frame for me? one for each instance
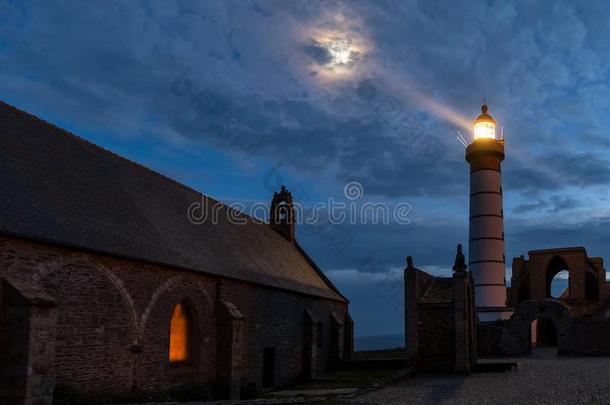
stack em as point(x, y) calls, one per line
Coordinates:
point(189, 336)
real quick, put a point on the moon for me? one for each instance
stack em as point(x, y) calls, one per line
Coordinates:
point(335, 55)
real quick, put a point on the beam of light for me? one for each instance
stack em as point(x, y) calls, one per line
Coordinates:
point(402, 86)
point(343, 35)
point(442, 111)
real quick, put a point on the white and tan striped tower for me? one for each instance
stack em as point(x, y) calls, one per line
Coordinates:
point(486, 237)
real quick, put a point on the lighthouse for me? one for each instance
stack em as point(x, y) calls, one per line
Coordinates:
point(486, 258)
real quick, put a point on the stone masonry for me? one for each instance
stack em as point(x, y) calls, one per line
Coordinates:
point(577, 322)
point(440, 319)
point(112, 318)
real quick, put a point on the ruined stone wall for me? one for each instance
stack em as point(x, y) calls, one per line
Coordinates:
point(576, 261)
point(529, 279)
point(586, 335)
point(440, 320)
point(113, 319)
point(589, 337)
point(503, 338)
point(436, 338)
point(415, 282)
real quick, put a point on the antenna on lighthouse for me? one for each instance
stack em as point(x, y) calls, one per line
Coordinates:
point(461, 138)
point(502, 133)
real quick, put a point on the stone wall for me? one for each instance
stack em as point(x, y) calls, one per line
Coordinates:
point(113, 317)
point(440, 320)
point(27, 332)
point(589, 336)
point(588, 289)
point(415, 284)
point(436, 338)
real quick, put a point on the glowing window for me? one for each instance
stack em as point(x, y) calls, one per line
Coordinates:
point(484, 130)
point(180, 335)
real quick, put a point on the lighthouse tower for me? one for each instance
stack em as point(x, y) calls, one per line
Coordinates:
point(486, 236)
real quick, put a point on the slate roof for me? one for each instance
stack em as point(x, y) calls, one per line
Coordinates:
point(57, 187)
point(440, 291)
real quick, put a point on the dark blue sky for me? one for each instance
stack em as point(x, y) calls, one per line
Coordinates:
point(235, 97)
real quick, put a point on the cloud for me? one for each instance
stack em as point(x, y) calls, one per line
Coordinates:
point(583, 169)
point(318, 52)
point(523, 236)
point(254, 85)
point(553, 204)
point(554, 171)
point(254, 76)
point(535, 206)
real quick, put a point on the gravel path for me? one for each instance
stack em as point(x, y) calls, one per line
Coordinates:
point(542, 378)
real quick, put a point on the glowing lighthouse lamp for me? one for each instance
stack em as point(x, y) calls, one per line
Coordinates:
point(486, 225)
point(484, 125)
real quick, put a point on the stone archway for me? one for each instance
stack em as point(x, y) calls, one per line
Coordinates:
point(543, 333)
point(556, 265)
point(94, 310)
point(555, 315)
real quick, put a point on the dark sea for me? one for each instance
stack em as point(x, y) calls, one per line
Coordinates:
point(378, 342)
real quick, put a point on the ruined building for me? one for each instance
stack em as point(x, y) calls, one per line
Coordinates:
point(107, 288)
point(509, 320)
point(440, 319)
point(577, 322)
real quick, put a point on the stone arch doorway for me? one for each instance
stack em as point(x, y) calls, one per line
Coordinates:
point(557, 267)
point(543, 333)
point(545, 321)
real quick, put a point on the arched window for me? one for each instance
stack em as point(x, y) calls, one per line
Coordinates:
point(557, 278)
point(180, 330)
point(282, 211)
point(559, 285)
